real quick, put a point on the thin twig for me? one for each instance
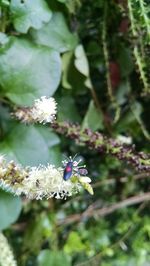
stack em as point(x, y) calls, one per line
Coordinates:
point(106, 58)
point(91, 212)
point(123, 179)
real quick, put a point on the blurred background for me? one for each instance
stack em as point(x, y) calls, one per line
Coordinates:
point(93, 58)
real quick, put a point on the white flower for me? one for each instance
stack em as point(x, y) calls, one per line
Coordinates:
point(124, 139)
point(44, 110)
point(6, 255)
point(40, 182)
point(46, 182)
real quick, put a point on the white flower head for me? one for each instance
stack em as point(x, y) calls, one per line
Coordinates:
point(47, 182)
point(44, 109)
point(6, 254)
point(42, 181)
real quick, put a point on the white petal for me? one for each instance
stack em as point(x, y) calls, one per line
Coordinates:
point(85, 179)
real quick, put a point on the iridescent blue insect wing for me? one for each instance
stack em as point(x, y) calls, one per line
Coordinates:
point(68, 171)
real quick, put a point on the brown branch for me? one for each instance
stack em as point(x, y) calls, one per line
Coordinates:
point(91, 211)
point(107, 182)
point(124, 179)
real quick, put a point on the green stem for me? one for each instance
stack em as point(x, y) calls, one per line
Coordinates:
point(136, 51)
point(145, 16)
point(106, 57)
point(3, 20)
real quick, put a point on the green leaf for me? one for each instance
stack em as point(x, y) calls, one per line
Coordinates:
point(29, 13)
point(53, 258)
point(93, 118)
point(123, 92)
point(74, 243)
point(4, 3)
point(71, 77)
point(137, 109)
point(52, 141)
point(72, 5)
point(87, 187)
point(82, 65)
point(28, 146)
point(10, 208)
point(125, 60)
point(81, 61)
point(50, 137)
point(66, 66)
point(37, 232)
point(28, 71)
point(3, 38)
point(67, 109)
point(62, 1)
point(55, 34)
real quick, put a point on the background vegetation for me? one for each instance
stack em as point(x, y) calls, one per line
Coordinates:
point(93, 57)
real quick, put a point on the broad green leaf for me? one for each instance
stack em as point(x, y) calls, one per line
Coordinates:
point(82, 65)
point(29, 13)
point(52, 141)
point(28, 146)
point(10, 208)
point(55, 156)
point(55, 34)
point(67, 109)
point(3, 38)
point(71, 77)
point(50, 137)
point(28, 71)
point(81, 61)
point(53, 258)
point(93, 118)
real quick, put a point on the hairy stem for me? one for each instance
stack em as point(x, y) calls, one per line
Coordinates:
point(136, 51)
point(103, 144)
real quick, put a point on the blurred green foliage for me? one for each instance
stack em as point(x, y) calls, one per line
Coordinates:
point(82, 52)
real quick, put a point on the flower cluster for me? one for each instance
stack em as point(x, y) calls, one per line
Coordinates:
point(42, 111)
point(40, 182)
point(6, 255)
point(101, 143)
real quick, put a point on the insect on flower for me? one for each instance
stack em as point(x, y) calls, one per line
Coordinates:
point(71, 167)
